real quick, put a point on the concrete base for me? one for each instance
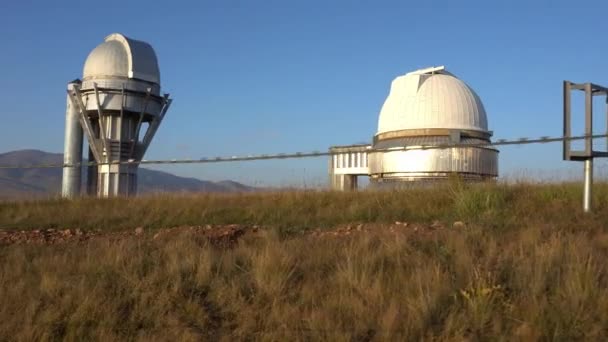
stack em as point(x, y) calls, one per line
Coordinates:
point(112, 184)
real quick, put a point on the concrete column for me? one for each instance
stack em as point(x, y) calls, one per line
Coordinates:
point(72, 151)
point(338, 162)
point(343, 182)
point(118, 179)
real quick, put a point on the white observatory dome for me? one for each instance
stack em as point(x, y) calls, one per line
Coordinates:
point(431, 98)
point(119, 56)
point(431, 127)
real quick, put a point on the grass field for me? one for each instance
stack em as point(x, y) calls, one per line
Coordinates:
point(526, 265)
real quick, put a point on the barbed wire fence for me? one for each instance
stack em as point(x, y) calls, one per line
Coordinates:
point(313, 154)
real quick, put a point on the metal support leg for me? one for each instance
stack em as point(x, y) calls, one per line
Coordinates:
point(85, 122)
point(92, 175)
point(138, 127)
point(102, 128)
point(587, 191)
point(153, 127)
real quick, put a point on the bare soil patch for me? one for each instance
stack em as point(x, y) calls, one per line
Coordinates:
point(224, 236)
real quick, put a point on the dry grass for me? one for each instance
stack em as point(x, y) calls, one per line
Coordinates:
point(528, 266)
point(495, 205)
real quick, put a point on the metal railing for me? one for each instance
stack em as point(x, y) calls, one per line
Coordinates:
point(313, 154)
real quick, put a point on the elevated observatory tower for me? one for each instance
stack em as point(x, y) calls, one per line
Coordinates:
point(118, 107)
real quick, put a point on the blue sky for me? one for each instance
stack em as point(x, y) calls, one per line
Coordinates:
point(251, 77)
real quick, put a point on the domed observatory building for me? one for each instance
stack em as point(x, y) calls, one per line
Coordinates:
point(424, 111)
point(118, 107)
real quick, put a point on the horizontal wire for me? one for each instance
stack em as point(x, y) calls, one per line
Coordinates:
point(499, 142)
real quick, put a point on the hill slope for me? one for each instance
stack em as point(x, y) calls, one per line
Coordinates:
point(47, 181)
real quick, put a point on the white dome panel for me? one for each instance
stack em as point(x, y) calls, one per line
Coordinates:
point(119, 56)
point(432, 100)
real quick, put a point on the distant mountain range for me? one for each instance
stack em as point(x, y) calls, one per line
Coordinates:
point(15, 183)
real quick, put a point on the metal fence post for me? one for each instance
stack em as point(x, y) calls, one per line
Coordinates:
point(587, 190)
point(588, 153)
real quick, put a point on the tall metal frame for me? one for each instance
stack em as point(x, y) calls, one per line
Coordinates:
point(587, 154)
